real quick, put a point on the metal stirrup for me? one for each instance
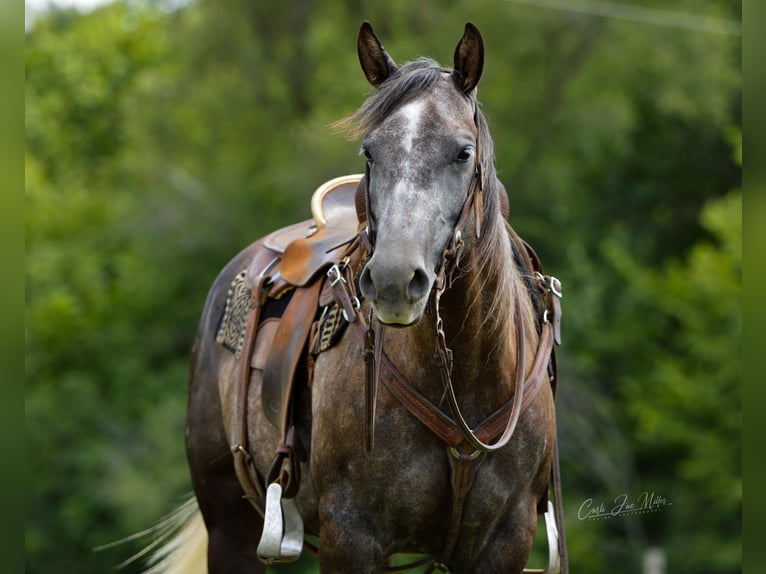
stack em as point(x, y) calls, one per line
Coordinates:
point(554, 559)
point(282, 538)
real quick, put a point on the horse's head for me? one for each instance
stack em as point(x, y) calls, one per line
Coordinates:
point(421, 146)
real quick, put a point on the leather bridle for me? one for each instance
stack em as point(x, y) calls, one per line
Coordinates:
point(448, 267)
point(456, 433)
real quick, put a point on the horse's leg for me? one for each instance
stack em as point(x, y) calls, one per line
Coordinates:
point(506, 547)
point(349, 540)
point(233, 525)
point(506, 550)
point(347, 544)
point(234, 529)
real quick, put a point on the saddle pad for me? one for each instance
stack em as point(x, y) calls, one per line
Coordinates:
point(231, 330)
point(330, 327)
point(233, 323)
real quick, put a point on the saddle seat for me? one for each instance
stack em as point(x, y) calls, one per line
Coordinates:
point(305, 248)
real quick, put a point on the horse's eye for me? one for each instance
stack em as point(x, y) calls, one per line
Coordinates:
point(464, 155)
point(367, 154)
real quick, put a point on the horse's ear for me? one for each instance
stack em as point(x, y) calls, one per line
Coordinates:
point(469, 59)
point(377, 65)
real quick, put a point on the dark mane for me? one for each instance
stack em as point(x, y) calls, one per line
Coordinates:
point(494, 252)
point(489, 184)
point(409, 81)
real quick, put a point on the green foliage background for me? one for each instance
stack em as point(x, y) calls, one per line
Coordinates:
point(162, 139)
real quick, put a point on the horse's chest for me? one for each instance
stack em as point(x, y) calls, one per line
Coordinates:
point(418, 490)
point(406, 484)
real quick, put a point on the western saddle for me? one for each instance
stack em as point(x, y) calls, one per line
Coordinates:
point(270, 320)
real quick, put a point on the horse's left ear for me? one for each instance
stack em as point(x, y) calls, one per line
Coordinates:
point(469, 59)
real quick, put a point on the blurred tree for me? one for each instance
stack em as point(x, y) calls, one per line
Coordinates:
point(99, 354)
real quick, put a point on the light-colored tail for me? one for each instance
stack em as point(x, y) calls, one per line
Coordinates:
point(183, 540)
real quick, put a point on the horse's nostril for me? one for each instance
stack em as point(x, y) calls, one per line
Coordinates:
point(419, 285)
point(367, 285)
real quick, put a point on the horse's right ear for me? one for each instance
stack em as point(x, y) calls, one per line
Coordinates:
point(377, 65)
point(469, 59)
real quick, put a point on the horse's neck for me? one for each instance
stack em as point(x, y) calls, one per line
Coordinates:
point(480, 318)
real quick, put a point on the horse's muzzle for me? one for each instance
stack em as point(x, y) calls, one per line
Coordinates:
point(398, 290)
